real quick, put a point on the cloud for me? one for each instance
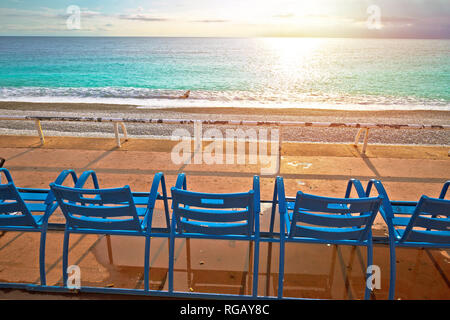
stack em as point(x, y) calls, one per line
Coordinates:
point(89, 13)
point(211, 21)
point(141, 17)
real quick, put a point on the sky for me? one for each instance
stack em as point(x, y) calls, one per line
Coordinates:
point(227, 18)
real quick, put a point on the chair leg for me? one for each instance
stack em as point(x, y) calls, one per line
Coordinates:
point(171, 262)
point(368, 290)
point(281, 270)
point(65, 257)
point(188, 263)
point(255, 269)
point(42, 256)
point(274, 207)
point(393, 268)
point(147, 264)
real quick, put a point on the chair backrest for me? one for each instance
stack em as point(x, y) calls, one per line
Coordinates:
point(333, 218)
point(386, 209)
point(97, 209)
point(444, 190)
point(13, 210)
point(214, 214)
point(430, 222)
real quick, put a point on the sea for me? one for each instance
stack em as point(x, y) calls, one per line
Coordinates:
point(152, 72)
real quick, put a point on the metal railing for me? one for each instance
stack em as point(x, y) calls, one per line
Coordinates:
point(363, 127)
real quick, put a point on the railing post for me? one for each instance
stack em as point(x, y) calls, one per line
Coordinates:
point(280, 146)
point(116, 132)
point(358, 135)
point(366, 137)
point(39, 130)
point(124, 130)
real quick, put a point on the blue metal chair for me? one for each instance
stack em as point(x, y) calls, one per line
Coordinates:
point(406, 221)
point(142, 200)
point(315, 219)
point(230, 216)
point(109, 212)
point(289, 202)
point(28, 209)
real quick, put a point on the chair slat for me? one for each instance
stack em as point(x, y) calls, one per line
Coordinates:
point(15, 220)
point(218, 201)
point(115, 198)
point(436, 207)
point(213, 215)
point(8, 207)
point(7, 192)
point(326, 233)
point(333, 220)
point(406, 210)
point(99, 211)
point(28, 196)
point(100, 214)
point(215, 229)
point(441, 237)
point(442, 224)
point(103, 224)
point(333, 205)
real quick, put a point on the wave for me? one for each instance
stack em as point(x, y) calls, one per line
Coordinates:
point(145, 98)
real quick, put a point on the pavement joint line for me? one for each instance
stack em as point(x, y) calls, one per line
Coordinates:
point(235, 174)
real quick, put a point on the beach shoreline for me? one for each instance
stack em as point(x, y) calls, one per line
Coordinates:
point(334, 135)
point(130, 108)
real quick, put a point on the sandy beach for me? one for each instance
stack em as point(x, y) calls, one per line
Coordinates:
point(382, 136)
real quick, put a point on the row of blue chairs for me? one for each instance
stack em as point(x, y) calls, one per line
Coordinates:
point(232, 216)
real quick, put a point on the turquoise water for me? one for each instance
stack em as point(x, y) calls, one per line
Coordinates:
point(263, 72)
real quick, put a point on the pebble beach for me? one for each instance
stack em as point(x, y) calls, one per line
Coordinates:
point(164, 131)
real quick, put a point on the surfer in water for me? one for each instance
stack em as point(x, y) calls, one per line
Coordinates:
point(185, 95)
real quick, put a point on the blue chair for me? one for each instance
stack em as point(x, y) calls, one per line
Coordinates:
point(109, 212)
point(406, 221)
point(346, 221)
point(143, 201)
point(28, 209)
point(230, 216)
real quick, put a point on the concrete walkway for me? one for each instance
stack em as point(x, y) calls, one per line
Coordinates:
point(312, 271)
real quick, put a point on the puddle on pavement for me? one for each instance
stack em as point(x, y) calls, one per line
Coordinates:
point(312, 271)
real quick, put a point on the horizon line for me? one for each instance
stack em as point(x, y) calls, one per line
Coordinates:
point(231, 37)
